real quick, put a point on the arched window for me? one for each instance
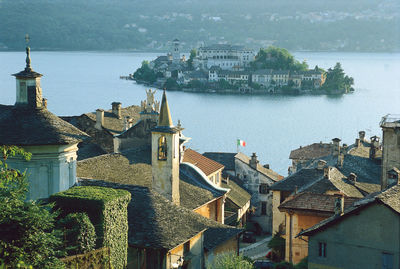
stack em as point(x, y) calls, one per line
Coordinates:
point(162, 148)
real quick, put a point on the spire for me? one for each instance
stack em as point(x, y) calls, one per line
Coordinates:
point(28, 72)
point(165, 116)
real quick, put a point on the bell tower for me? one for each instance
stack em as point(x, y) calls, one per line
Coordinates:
point(176, 55)
point(165, 155)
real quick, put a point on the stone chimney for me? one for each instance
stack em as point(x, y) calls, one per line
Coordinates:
point(340, 160)
point(44, 103)
point(339, 205)
point(374, 147)
point(253, 161)
point(327, 171)
point(266, 165)
point(99, 119)
point(321, 164)
point(358, 143)
point(393, 177)
point(352, 178)
point(116, 109)
point(335, 146)
point(361, 135)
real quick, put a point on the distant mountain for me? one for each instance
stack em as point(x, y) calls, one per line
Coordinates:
point(339, 25)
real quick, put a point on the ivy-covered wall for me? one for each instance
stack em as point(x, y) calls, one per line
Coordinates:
point(107, 210)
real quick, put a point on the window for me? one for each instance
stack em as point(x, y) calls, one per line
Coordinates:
point(263, 208)
point(217, 178)
point(186, 247)
point(263, 189)
point(322, 249)
point(162, 148)
point(387, 261)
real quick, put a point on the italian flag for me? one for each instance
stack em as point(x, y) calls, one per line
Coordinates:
point(241, 143)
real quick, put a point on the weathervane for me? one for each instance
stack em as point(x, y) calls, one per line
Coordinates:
point(28, 57)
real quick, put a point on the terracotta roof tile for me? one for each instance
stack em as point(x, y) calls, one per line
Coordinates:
point(205, 164)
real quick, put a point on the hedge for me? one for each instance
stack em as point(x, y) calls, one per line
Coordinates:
point(107, 210)
point(95, 259)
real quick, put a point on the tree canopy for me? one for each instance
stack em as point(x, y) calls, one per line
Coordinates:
point(277, 59)
point(336, 80)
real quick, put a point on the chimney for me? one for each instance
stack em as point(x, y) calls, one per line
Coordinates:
point(253, 161)
point(357, 142)
point(339, 205)
point(361, 135)
point(99, 119)
point(116, 109)
point(374, 147)
point(266, 165)
point(340, 160)
point(44, 103)
point(327, 172)
point(335, 146)
point(321, 164)
point(352, 178)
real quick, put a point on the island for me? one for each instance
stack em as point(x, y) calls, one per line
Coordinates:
point(224, 68)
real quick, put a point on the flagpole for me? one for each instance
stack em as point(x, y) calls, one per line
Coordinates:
point(237, 146)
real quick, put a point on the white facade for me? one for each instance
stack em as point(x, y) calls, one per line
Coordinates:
point(51, 169)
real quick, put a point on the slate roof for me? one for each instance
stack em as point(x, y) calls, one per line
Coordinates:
point(134, 167)
point(262, 72)
point(313, 180)
point(25, 127)
point(227, 159)
point(156, 223)
point(316, 150)
point(265, 171)
point(389, 197)
point(367, 170)
point(112, 123)
point(208, 166)
point(299, 179)
point(306, 201)
point(223, 47)
point(237, 195)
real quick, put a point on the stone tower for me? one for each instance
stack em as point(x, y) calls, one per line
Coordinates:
point(176, 55)
point(390, 125)
point(165, 155)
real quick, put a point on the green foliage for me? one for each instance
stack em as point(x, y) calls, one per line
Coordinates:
point(107, 210)
point(79, 233)
point(303, 264)
point(277, 244)
point(336, 80)
point(230, 261)
point(277, 59)
point(196, 84)
point(145, 73)
point(171, 84)
point(193, 54)
point(284, 265)
point(27, 235)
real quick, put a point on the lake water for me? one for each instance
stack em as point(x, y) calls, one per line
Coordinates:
point(79, 82)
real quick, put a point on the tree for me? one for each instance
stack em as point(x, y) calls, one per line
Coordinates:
point(277, 244)
point(145, 73)
point(26, 227)
point(337, 81)
point(193, 54)
point(230, 261)
point(277, 59)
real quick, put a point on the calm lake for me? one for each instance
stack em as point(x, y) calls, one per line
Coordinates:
point(79, 82)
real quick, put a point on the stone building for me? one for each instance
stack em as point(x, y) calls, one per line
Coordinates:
point(302, 211)
point(365, 235)
point(257, 179)
point(390, 125)
point(52, 141)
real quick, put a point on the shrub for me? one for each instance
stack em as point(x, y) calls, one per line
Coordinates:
point(277, 244)
point(303, 264)
point(283, 265)
point(107, 210)
point(79, 233)
point(230, 261)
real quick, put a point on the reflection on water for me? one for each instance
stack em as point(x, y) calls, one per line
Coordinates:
point(271, 125)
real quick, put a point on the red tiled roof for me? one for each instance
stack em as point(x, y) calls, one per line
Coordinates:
point(205, 164)
point(306, 201)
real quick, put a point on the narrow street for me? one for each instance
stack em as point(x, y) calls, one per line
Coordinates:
point(256, 250)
